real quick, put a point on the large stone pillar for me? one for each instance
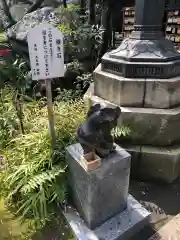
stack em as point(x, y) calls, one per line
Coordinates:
point(142, 76)
point(147, 25)
point(146, 53)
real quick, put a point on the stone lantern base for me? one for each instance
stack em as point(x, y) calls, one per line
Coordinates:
point(151, 110)
point(143, 58)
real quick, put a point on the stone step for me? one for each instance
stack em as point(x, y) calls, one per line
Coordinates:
point(154, 163)
point(169, 231)
point(137, 92)
point(148, 126)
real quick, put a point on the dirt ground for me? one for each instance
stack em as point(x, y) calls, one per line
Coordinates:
point(161, 199)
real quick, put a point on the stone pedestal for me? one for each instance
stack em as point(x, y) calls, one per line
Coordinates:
point(101, 193)
point(153, 141)
point(120, 227)
point(142, 76)
point(103, 207)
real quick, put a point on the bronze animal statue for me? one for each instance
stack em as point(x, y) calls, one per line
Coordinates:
point(94, 134)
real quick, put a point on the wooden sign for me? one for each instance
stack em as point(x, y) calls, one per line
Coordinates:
point(46, 52)
point(170, 231)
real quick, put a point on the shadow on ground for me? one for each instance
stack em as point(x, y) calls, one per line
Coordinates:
point(160, 199)
point(12, 229)
point(56, 230)
point(166, 197)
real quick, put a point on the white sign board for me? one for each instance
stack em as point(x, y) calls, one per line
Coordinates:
point(46, 52)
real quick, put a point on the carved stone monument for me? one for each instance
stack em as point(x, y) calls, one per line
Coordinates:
point(142, 76)
point(100, 195)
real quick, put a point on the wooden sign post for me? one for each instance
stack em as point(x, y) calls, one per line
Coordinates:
point(46, 53)
point(50, 112)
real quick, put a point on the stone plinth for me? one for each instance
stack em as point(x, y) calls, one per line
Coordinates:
point(142, 76)
point(136, 92)
point(155, 163)
point(149, 126)
point(138, 58)
point(120, 227)
point(101, 193)
point(156, 127)
point(114, 88)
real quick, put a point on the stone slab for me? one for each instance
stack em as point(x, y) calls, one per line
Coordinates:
point(136, 92)
point(162, 93)
point(118, 90)
point(171, 230)
point(155, 163)
point(90, 189)
point(120, 227)
point(156, 127)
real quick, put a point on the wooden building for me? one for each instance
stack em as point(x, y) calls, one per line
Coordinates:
point(170, 26)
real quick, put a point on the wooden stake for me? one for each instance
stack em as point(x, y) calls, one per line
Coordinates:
point(50, 112)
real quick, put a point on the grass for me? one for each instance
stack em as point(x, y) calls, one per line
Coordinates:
point(11, 228)
point(34, 183)
point(3, 37)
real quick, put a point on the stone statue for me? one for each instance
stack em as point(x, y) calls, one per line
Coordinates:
point(95, 134)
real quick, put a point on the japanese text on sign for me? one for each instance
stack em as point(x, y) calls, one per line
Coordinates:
point(46, 52)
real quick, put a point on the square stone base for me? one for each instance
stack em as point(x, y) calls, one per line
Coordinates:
point(100, 193)
point(122, 226)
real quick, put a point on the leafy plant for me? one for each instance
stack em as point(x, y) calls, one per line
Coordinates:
point(35, 180)
point(79, 37)
point(68, 95)
point(3, 38)
point(15, 74)
point(122, 131)
point(36, 177)
point(9, 122)
point(84, 80)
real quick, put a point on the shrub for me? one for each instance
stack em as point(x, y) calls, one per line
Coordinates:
point(36, 177)
point(15, 74)
point(9, 123)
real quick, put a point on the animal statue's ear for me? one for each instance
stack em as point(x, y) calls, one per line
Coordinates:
point(110, 113)
point(94, 108)
point(107, 113)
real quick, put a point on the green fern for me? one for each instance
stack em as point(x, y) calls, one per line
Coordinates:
point(122, 131)
point(38, 180)
point(3, 40)
point(38, 191)
point(35, 181)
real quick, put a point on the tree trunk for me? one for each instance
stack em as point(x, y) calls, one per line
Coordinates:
point(92, 13)
point(106, 26)
point(7, 12)
point(64, 3)
point(35, 6)
point(82, 6)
